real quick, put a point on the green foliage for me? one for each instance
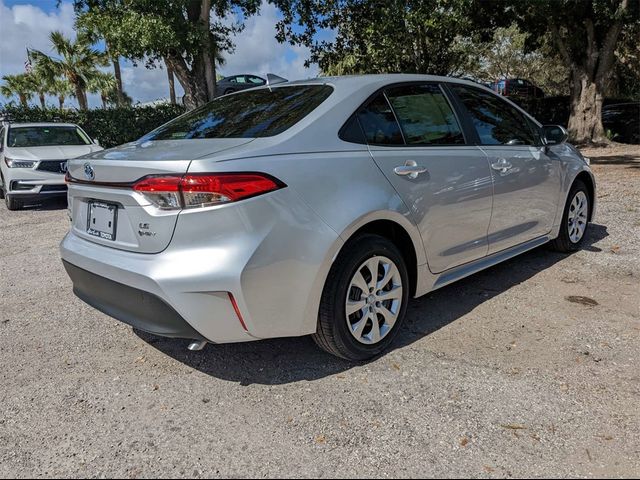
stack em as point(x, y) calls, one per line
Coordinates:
point(505, 56)
point(20, 85)
point(77, 61)
point(189, 35)
point(409, 36)
point(112, 126)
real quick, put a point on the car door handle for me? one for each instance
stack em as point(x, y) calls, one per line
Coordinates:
point(502, 165)
point(410, 169)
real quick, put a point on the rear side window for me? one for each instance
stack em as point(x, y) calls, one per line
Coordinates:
point(495, 121)
point(254, 113)
point(425, 116)
point(379, 123)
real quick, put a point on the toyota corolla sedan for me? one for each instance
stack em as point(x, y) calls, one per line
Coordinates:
point(33, 159)
point(318, 207)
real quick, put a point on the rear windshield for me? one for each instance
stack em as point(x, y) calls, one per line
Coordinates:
point(46, 136)
point(250, 114)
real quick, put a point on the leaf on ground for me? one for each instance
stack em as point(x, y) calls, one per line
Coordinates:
point(590, 302)
point(396, 366)
point(513, 426)
point(615, 249)
point(464, 441)
point(321, 439)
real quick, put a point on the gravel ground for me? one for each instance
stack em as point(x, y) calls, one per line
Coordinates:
point(499, 375)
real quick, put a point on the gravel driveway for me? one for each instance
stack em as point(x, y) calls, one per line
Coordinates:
point(529, 369)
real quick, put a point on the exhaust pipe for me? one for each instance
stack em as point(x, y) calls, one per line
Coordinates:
point(197, 345)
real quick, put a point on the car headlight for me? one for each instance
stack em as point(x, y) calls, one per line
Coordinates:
point(11, 163)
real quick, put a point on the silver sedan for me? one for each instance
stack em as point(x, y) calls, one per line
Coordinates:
point(318, 207)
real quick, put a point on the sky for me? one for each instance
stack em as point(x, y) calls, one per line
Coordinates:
point(27, 24)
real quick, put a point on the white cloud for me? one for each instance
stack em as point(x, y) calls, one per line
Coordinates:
point(28, 26)
point(257, 51)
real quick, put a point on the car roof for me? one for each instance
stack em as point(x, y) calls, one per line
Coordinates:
point(42, 124)
point(374, 81)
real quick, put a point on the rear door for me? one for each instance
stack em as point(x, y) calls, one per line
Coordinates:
point(526, 180)
point(417, 141)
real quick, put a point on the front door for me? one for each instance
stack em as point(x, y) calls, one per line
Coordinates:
point(526, 180)
point(416, 140)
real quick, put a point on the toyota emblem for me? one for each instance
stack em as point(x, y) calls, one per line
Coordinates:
point(88, 171)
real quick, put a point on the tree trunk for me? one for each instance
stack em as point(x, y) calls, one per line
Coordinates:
point(208, 60)
point(118, 75)
point(61, 101)
point(82, 97)
point(172, 84)
point(115, 59)
point(194, 85)
point(42, 100)
point(585, 122)
point(103, 97)
point(23, 100)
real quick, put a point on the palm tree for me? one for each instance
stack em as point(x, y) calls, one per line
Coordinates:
point(77, 62)
point(42, 80)
point(61, 88)
point(103, 84)
point(20, 85)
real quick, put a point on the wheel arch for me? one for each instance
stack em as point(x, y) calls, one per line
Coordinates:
point(585, 178)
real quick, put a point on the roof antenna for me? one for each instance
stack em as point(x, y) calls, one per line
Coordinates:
point(274, 79)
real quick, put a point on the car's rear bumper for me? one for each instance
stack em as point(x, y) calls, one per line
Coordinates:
point(142, 310)
point(147, 292)
point(269, 255)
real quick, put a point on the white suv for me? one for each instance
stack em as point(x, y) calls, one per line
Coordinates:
point(33, 159)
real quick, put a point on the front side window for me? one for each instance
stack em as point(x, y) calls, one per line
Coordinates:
point(46, 136)
point(379, 123)
point(1, 138)
point(256, 80)
point(250, 114)
point(425, 116)
point(495, 121)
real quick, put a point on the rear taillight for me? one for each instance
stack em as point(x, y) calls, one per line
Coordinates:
point(204, 190)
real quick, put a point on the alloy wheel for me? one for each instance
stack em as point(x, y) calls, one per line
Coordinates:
point(577, 218)
point(373, 300)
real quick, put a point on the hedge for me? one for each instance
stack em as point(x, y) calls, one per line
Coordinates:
point(111, 126)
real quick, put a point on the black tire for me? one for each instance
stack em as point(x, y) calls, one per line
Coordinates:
point(333, 334)
point(1, 187)
point(563, 242)
point(12, 203)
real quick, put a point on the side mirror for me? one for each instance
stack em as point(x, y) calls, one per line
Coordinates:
point(554, 134)
point(96, 141)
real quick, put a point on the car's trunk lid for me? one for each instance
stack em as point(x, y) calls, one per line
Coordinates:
point(105, 209)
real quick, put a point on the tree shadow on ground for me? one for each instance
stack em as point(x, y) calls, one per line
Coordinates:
point(288, 360)
point(631, 160)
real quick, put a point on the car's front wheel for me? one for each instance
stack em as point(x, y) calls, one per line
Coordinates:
point(12, 203)
point(575, 219)
point(364, 299)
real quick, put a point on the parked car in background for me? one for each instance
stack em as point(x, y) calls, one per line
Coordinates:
point(318, 207)
point(511, 87)
point(236, 83)
point(622, 121)
point(33, 159)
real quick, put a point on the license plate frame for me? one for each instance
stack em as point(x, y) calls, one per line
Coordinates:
point(102, 219)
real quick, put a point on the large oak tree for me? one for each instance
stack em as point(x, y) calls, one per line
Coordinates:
point(188, 35)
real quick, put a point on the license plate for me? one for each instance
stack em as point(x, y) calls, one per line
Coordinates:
point(101, 221)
